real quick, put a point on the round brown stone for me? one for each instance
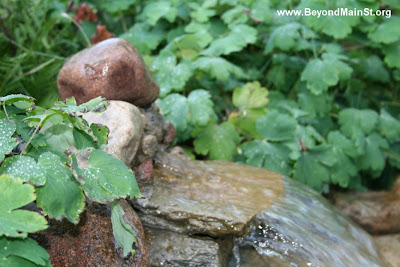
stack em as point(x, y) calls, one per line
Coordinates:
point(113, 69)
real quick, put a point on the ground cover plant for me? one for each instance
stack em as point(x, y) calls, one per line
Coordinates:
point(314, 98)
point(40, 169)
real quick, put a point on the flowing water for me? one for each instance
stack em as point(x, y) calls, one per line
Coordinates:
point(303, 229)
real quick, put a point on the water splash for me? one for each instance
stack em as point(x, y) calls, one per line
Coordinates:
point(303, 229)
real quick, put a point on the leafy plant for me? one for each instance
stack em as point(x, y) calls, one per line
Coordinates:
point(41, 152)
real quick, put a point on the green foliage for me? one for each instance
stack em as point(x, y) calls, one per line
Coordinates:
point(124, 234)
point(330, 114)
point(39, 167)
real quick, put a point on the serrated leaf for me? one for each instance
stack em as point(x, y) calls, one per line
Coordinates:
point(354, 121)
point(342, 149)
point(106, 178)
point(389, 127)
point(275, 126)
point(373, 158)
point(250, 95)
point(321, 74)
point(16, 222)
point(268, 155)
point(218, 141)
point(170, 75)
point(24, 168)
point(60, 197)
point(239, 37)
point(123, 233)
point(22, 252)
point(245, 120)
point(144, 37)
point(218, 68)
point(7, 143)
point(314, 104)
point(201, 13)
point(392, 55)
point(313, 166)
point(200, 107)
point(387, 32)
point(154, 11)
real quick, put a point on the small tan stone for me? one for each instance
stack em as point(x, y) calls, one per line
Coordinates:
point(113, 69)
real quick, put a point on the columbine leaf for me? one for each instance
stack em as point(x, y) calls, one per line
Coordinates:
point(106, 178)
point(154, 11)
point(200, 107)
point(373, 158)
point(321, 74)
point(387, 32)
point(268, 155)
point(201, 13)
point(7, 143)
point(60, 197)
point(218, 141)
point(354, 121)
point(22, 252)
point(250, 95)
point(389, 126)
point(15, 222)
point(245, 120)
point(175, 109)
point(24, 168)
point(123, 233)
point(275, 126)
point(313, 166)
point(218, 67)
point(236, 40)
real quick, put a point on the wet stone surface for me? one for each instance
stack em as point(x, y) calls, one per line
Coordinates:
point(113, 69)
point(208, 198)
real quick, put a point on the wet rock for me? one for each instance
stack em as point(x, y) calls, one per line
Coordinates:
point(113, 69)
point(154, 123)
point(91, 241)
point(144, 173)
point(170, 134)
point(376, 212)
point(389, 247)
point(149, 145)
point(209, 198)
point(173, 249)
point(126, 125)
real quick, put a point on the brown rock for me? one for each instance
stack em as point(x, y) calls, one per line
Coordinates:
point(389, 247)
point(113, 69)
point(376, 212)
point(144, 172)
point(91, 241)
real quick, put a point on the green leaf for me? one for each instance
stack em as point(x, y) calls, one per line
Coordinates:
point(313, 166)
point(392, 55)
point(375, 70)
point(268, 155)
point(201, 13)
point(235, 41)
point(7, 143)
point(236, 15)
point(16, 222)
point(218, 141)
point(24, 168)
point(373, 158)
point(321, 74)
point(98, 104)
point(60, 137)
point(12, 99)
point(275, 126)
point(144, 37)
point(22, 252)
point(123, 233)
point(387, 32)
point(175, 109)
point(106, 178)
point(354, 121)
point(245, 120)
point(219, 68)
point(101, 132)
point(170, 75)
point(200, 107)
point(314, 104)
point(389, 127)
point(250, 95)
point(60, 197)
point(154, 11)
point(343, 149)
point(117, 5)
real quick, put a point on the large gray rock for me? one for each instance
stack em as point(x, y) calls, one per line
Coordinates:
point(168, 248)
point(208, 198)
point(113, 69)
point(389, 247)
point(126, 125)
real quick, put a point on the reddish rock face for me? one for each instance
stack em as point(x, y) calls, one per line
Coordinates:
point(113, 69)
